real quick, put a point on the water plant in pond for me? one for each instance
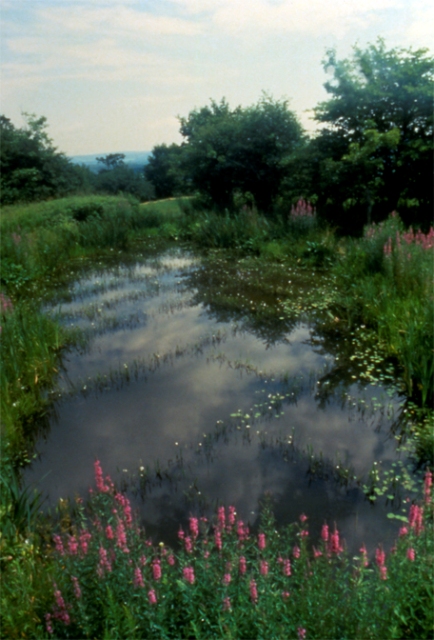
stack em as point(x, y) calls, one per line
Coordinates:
point(109, 579)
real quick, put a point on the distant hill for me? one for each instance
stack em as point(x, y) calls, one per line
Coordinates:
point(134, 159)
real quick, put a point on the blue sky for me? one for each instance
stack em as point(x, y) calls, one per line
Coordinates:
point(113, 76)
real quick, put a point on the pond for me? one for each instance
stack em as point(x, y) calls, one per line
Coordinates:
point(190, 400)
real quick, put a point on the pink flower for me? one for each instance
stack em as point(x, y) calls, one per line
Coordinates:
point(188, 544)
point(171, 559)
point(285, 594)
point(325, 532)
point(109, 532)
point(48, 624)
point(261, 541)
point(304, 533)
point(242, 531)
point(296, 552)
point(218, 539)
point(156, 569)
point(411, 554)
point(84, 538)
point(59, 544)
point(334, 545)
point(125, 503)
point(76, 587)
point(403, 531)
point(364, 553)
point(143, 560)
point(221, 517)
point(303, 518)
point(104, 563)
point(227, 578)
point(181, 534)
point(242, 566)
point(121, 537)
point(287, 567)
point(316, 553)
point(380, 557)
point(138, 578)
point(226, 604)
point(253, 591)
point(188, 573)
point(194, 527)
point(231, 516)
point(383, 573)
point(263, 568)
point(99, 479)
point(60, 602)
point(301, 633)
point(152, 598)
point(72, 545)
point(415, 518)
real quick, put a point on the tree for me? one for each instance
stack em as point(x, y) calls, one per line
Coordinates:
point(112, 161)
point(378, 135)
point(30, 166)
point(164, 170)
point(239, 151)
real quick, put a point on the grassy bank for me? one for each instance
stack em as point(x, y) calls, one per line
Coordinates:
point(380, 285)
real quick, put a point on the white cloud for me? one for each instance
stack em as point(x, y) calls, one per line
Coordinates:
point(420, 31)
point(315, 17)
point(115, 19)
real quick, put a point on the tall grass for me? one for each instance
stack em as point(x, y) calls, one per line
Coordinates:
point(386, 282)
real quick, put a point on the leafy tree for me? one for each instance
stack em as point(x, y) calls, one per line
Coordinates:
point(30, 167)
point(117, 177)
point(375, 152)
point(164, 170)
point(240, 151)
point(112, 161)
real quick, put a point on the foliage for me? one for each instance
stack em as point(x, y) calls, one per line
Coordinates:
point(29, 355)
point(375, 152)
point(110, 581)
point(240, 150)
point(164, 171)
point(385, 281)
point(31, 168)
point(118, 178)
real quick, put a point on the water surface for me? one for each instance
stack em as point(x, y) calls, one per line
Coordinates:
point(189, 405)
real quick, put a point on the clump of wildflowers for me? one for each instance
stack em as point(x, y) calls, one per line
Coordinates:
point(209, 576)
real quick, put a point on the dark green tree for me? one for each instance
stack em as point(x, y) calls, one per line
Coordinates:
point(116, 177)
point(112, 161)
point(375, 152)
point(31, 168)
point(240, 151)
point(164, 170)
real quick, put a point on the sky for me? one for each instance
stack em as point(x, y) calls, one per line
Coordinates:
point(115, 76)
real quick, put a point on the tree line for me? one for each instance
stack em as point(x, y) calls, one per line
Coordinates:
point(372, 154)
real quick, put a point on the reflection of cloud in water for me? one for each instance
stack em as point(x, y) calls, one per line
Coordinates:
point(184, 398)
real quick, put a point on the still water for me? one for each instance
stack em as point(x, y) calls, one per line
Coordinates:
point(188, 408)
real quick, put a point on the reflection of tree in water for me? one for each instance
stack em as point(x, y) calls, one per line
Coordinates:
point(244, 296)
